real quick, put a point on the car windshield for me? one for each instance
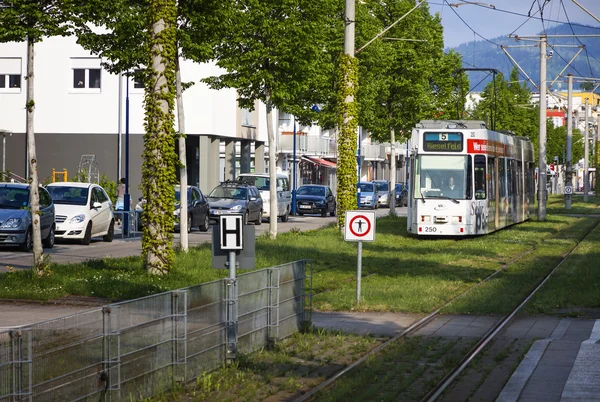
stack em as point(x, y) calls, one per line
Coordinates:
point(229, 192)
point(69, 195)
point(365, 187)
point(14, 198)
point(311, 190)
point(382, 186)
point(398, 187)
point(262, 183)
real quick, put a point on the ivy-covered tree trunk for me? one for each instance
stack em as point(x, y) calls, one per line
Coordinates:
point(348, 138)
point(34, 193)
point(272, 168)
point(158, 170)
point(183, 201)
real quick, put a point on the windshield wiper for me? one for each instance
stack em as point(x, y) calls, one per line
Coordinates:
point(422, 196)
point(445, 197)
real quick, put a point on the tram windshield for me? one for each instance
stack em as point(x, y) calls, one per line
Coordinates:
point(443, 176)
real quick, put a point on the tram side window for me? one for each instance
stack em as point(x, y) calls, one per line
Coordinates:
point(501, 177)
point(519, 175)
point(479, 167)
point(491, 179)
point(509, 178)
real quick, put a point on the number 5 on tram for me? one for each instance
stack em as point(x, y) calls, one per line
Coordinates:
point(468, 180)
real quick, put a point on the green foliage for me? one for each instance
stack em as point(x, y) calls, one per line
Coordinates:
point(402, 82)
point(160, 158)
point(35, 20)
point(278, 50)
point(348, 139)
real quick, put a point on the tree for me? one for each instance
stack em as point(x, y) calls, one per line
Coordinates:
point(31, 22)
point(276, 54)
point(509, 107)
point(123, 46)
point(158, 173)
point(405, 80)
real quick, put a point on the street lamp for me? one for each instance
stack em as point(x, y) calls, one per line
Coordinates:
point(294, 173)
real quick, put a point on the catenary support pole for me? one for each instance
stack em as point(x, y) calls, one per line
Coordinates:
point(542, 135)
point(586, 151)
point(569, 178)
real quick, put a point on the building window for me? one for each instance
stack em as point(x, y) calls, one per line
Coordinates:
point(138, 82)
point(10, 81)
point(10, 74)
point(86, 78)
point(248, 118)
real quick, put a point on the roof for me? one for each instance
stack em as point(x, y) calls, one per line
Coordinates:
point(71, 184)
point(319, 161)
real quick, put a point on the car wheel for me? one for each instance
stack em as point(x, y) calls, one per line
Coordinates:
point(49, 240)
point(246, 216)
point(111, 232)
point(332, 213)
point(27, 245)
point(206, 224)
point(259, 219)
point(87, 238)
point(285, 217)
point(190, 220)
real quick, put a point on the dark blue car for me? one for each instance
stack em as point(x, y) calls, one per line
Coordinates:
point(315, 199)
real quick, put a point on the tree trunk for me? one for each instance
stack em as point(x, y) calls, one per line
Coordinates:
point(34, 194)
point(272, 169)
point(183, 223)
point(392, 192)
point(160, 158)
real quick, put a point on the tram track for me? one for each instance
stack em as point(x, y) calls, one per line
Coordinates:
point(409, 331)
point(452, 375)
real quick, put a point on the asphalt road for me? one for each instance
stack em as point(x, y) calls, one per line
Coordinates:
point(11, 258)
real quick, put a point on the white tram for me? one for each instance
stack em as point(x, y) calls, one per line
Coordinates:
point(468, 180)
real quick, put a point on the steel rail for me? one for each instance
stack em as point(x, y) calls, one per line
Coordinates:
point(451, 376)
point(413, 328)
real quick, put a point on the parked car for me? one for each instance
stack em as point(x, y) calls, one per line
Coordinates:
point(315, 199)
point(284, 195)
point(15, 216)
point(368, 195)
point(234, 197)
point(198, 212)
point(401, 195)
point(383, 192)
point(83, 211)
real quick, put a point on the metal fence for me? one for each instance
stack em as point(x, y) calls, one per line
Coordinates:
point(138, 348)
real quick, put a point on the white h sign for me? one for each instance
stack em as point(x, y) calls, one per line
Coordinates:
point(231, 232)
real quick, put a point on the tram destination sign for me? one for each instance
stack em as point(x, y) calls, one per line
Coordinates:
point(442, 142)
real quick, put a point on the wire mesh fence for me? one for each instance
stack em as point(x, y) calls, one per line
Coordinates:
point(139, 348)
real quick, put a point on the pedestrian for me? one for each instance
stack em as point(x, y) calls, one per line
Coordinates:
point(120, 198)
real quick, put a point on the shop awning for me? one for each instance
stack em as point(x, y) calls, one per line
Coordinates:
point(321, 162)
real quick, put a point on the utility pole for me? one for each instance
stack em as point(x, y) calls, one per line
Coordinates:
point(569, 161)
point(542, 135)
point(586, 151)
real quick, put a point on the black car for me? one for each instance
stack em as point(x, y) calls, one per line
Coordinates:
point(315, 199)
point(234, 197)
point(401, 195)
point(198, 212)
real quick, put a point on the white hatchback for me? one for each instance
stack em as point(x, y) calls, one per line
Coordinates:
point(83, 211)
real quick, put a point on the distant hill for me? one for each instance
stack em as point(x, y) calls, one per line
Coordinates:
point(483, 54)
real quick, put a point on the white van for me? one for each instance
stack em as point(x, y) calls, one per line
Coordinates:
point(284, 195)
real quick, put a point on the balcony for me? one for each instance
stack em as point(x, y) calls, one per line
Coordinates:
point(307, 144)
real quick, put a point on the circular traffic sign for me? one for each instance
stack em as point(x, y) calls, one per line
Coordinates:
point(360, 234)
point(568, 190)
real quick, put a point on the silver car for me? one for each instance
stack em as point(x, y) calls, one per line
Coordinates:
point(15, 216)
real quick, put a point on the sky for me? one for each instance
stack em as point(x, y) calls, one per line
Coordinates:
point(491, 23)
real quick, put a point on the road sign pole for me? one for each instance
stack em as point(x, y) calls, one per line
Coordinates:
point(358, 271)
point(232, 319)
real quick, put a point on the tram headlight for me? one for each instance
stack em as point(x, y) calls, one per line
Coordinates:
point(426, 218)
point(457, 219)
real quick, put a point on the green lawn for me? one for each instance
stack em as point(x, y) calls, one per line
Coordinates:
point(400, 272)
